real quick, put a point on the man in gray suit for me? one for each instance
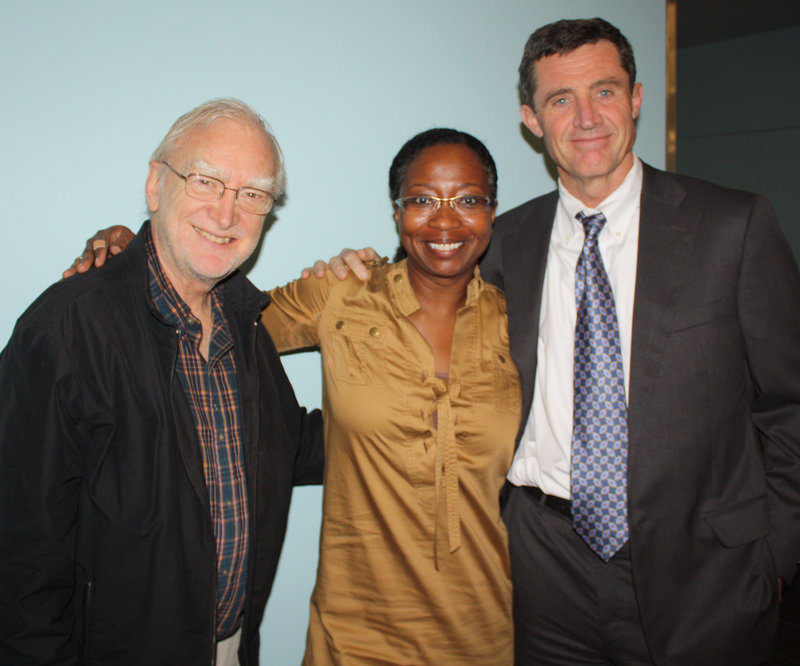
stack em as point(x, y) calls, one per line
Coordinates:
point(149, 436)
point(695, 498)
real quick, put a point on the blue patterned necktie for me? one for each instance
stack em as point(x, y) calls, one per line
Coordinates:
point(600, 421)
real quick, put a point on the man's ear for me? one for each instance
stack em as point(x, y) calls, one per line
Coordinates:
point(530, 120)
point(636, 99)
point(152, 185)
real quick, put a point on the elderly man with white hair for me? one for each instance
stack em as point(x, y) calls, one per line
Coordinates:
point(149, 437)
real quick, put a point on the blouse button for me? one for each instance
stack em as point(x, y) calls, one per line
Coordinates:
point(339, 324)
point(374, 332)
point(398, 277)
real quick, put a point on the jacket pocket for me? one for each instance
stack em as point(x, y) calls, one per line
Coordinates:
point(82, 615)
point(741, 524)
point(698, 315)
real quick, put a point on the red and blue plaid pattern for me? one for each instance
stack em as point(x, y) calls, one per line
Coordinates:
point(212, 392)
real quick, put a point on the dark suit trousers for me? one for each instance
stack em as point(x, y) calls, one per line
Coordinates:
point(570, 607)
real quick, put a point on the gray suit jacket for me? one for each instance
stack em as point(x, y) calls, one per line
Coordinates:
point(714, 413)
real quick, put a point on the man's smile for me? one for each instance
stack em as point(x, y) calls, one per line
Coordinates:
point(214, 239)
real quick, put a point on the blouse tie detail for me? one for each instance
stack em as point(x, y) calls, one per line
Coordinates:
point(446, 468)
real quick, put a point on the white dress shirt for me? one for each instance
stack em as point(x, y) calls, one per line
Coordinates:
point(543, 455)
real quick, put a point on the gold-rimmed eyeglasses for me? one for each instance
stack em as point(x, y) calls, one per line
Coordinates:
point(206, 188)
point(425, 205)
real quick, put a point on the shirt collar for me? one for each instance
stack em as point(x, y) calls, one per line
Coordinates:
point(402, 292)
point(166, 299)
point(616, 207)
point(175, 310)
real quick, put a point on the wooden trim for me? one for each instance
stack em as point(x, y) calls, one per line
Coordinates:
point(672, 86)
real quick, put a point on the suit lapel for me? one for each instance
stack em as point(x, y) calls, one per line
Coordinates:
point(666, 231)
point(525, 257)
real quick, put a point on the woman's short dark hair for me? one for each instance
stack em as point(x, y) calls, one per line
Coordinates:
point(565, 36)
point(436, 137)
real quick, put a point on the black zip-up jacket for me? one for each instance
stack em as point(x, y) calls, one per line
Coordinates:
point(107, 551)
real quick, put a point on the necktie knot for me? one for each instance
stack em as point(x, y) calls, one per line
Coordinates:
point(592, 224)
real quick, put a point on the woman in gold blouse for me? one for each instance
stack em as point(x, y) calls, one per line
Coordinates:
point(421, 407)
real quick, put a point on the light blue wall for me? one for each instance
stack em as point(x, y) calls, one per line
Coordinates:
point(739, 117)
point(89, 88)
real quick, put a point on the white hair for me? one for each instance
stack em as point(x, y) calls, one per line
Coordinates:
point(204, 115)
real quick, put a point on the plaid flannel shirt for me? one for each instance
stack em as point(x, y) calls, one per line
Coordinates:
point(212, 392)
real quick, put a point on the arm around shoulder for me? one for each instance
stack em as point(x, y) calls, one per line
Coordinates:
point(293, 313)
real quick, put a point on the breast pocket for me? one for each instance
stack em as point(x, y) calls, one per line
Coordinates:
point(358, 348)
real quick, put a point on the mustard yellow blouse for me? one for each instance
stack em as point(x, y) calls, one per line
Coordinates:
point(413, 562)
